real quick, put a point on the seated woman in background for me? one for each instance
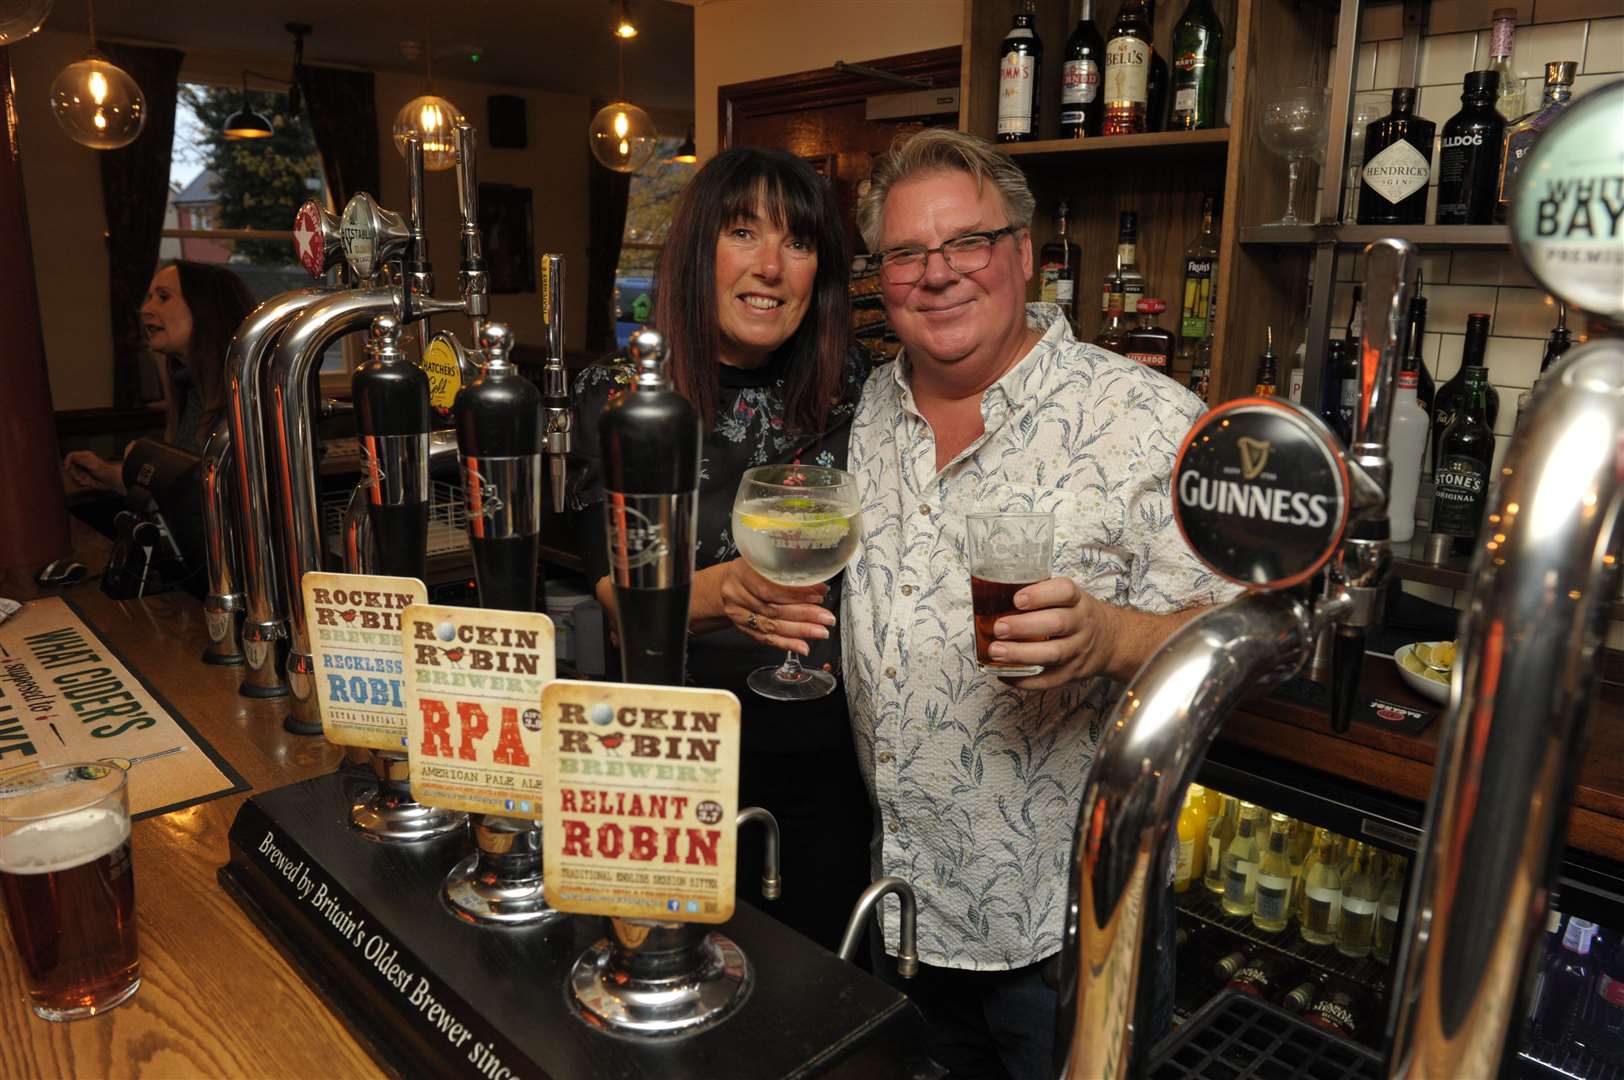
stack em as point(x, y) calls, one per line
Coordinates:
point(191, 311)
point(751, 296)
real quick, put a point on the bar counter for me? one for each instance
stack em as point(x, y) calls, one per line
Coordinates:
point(216, 997)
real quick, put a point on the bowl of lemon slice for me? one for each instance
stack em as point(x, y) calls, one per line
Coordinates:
point(1426, 666)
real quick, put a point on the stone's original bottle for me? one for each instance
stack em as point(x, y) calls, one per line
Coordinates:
point(1268, 377)
point(1407, 441)
point(1148, 343)
point(1058, 263)
point(1338, 1007)
point(1465, 460)
point(1559, 342)
point(1082, 108)
point(1128, 54)
point(1524, 132)
point(1469, 156)
point(1448, 400)
point(1200, 271)
point(499, 442)
point(1198, 52)
point(1263, 975)
point(1020, 79)
point(649, 441)
point(392, 419)
point(1508, 97)
point(1398, 165)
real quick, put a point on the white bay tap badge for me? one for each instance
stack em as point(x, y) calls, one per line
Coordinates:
point(1260, 492)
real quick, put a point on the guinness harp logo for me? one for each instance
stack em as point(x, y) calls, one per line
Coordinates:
point(1254, 455)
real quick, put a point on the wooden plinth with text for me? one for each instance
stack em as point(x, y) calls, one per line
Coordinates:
point(432, 995)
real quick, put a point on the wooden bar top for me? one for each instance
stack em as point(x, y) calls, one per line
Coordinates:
point(216, 997)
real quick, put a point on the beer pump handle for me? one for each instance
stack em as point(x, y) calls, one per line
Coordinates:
point(472, 276)
point(418, 273)
point(392, 420)
point(555, 380)
point(498, 420)
point(317, 239)
point(1360, 570)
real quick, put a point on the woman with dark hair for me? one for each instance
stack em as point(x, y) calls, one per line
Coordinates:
point(190, 313)
point(751, 294)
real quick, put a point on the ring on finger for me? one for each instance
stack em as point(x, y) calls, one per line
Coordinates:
point(752, 622)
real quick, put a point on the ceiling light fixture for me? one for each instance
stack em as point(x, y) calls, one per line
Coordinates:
point(624, 27)
point(434, 119)
point(96, 102)
point(621, 135)
point(687, 153)
point(245, 123)
point(20, 18)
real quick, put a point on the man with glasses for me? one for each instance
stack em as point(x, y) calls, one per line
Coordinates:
point(994, 405)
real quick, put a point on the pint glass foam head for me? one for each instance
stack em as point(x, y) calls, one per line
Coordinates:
point(69, 887)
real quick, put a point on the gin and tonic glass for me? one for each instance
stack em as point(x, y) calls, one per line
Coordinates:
point(1295, 126)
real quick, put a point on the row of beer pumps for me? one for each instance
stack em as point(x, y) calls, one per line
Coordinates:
point(647, 977)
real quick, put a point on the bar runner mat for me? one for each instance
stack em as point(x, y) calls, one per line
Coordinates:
point(67, 695)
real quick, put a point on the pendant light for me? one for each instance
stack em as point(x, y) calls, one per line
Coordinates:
point(20, 18)
point(96, 101)
point(624, 26)
point(687, 153)
point(622, 136)
point(245, 123)
point(434, 119)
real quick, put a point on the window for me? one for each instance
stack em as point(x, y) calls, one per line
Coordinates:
point(649, 205)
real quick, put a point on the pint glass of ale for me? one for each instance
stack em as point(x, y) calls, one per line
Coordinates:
point(69, 887)
point(1007, 552)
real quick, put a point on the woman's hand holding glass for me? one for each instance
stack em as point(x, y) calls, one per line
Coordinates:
point(783, 616)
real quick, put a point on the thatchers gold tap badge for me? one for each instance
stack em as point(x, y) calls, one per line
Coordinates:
point(474, 679)
point(354, 622)
point(640, 787)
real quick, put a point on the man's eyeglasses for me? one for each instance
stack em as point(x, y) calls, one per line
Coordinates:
point(964, 255)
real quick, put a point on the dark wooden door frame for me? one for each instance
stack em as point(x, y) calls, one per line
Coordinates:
point(823, 87)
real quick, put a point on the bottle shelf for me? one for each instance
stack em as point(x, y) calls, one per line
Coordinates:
point(1160, 143)
point(1410, 564)
point(1542, 1059)
point(1449, 236)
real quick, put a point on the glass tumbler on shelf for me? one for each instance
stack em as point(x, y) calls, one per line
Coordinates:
point(1294, 126)
point(796, 525)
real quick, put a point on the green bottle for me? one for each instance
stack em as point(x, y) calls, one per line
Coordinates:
point(1465, 462)
point(1198, 56)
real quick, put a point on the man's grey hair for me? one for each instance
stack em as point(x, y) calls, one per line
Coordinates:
point(939, 150)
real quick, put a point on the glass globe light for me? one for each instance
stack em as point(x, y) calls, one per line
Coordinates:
point(622, 137)
point(435, 121)
point(98, 104)
point(20, 18)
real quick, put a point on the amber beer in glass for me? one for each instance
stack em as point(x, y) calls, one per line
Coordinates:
point(69, 887)
point(1007, 552)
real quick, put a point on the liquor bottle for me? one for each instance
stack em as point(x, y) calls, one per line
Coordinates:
point(1321, 908)
point(1111, 287)
point(1550, 951)
point(1200, 272)
point(1267, 377)
point(1299, 842)
point(1407, 441)
point(1604, 1032)
point(1272, 909)
point(1304, 994)
point(1133, 282)
point(1059, 260)
point(1397, 166)
point(1461, 480)
point(1469, 156)
point(1222, 834)
point(1264, 975)
point(1113, 333)
point(1356, 320)
point(1386, 936)
point(1339, 397)
point(1449, 395)
point(1563, 999)
point(1201, 357)
point(1148, 343)
point(1361, 896)
point(1559, 342)
point(1415, 334)
point(1340, 1007)
point(1128, 53)
point(1192, 827)
point(1198, 51)
point(1231, 962)
point(1082, 108)
point(1508, 100)
point(1020, 79)
point(1522, 133)
point(1240, 864)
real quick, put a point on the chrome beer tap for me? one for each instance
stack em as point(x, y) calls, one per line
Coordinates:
point(472, 278)
point(555, 381)
point(654, 979)
point(1265, 498)
point(862, 918)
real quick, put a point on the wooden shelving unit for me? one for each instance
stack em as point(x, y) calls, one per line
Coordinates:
point(1493, 237)
point(1163, 143)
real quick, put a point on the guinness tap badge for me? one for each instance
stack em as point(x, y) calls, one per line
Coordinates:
point(1260, 492)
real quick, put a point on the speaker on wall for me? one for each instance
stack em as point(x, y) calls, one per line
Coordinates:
point(506, 128)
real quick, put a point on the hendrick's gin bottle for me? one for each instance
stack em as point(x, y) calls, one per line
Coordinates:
point(1398, 165)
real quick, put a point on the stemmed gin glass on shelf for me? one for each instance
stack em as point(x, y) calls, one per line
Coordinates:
point(1294, 126)
point(795, 525)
